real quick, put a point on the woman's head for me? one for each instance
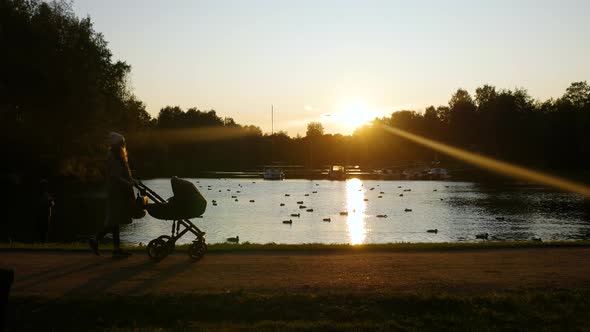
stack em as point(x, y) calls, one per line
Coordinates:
point(118, 146)
point(116, 138)
point(119, 151)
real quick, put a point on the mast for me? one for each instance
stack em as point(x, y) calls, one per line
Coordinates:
point(272, 131)
point(272, 120)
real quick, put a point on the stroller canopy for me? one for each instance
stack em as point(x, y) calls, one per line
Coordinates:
point(186, 203)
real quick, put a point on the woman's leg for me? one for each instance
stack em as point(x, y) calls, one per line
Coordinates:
point(116, 238)
point(117, 251)
point(93, 242)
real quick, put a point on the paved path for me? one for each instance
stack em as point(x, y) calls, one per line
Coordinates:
point(55, 274)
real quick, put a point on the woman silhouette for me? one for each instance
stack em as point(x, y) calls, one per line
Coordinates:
point(120, 200)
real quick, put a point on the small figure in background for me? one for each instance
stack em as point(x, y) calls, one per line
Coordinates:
point(44, 211)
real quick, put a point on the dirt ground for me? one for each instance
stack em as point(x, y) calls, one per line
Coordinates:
point(57, 274)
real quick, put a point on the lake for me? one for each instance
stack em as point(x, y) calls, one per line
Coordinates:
point(457, 210)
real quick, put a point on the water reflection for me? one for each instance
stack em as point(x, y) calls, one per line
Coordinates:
point(355, 205)
point(459, 210)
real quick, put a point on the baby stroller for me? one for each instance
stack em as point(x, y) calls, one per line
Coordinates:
point(186, 203)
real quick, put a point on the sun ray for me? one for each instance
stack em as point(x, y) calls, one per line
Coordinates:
point(494, 165)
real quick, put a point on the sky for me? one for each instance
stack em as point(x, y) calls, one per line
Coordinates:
point(339, 62)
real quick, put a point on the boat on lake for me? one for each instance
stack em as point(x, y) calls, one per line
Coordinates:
point(337, 172)
point(438, 174)
point(273, 173)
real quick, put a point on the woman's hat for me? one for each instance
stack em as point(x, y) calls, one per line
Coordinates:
point(116, 138)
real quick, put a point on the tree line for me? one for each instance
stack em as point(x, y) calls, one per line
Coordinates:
point(501, 123)
point(61, 92)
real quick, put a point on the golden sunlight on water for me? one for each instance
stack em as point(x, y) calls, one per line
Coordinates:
point(355, 205)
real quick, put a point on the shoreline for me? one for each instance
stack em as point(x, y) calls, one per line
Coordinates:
point(313, 247)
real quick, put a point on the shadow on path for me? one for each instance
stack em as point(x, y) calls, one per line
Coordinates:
point(108, 280)
point(76, 268)
point(164, 275)
point(47, 272)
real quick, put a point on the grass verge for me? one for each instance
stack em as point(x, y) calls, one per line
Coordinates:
point(316, 247)
point(540, 311)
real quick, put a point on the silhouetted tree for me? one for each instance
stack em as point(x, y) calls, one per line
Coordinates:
point(60, 90)
point(314, 129)
point(462, 117)
point(578, 95)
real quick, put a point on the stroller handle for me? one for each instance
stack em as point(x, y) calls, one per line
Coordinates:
point(145, 190)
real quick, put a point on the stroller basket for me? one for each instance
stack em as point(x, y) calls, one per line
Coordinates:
point(186, 203)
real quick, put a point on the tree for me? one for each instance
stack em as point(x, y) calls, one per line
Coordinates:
point(485, 96)
point(170, 117)
point(407, 120)
point(314, 129)
point(444, 114)
point(462, 118)
point(461, 98)
point(136, 116)
point(432, 123)
point(253, 130)
point(229, 122)
point(62, 89)
point(578, 94)
point(431, 114)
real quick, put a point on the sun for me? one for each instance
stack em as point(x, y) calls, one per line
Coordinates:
point(354, 116)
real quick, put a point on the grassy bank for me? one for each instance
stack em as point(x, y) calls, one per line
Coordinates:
point(316, 247)
point(540, 311)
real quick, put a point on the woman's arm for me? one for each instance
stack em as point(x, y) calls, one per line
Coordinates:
point(118, 174)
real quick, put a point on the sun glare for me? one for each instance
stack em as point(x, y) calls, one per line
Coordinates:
point(354, 116)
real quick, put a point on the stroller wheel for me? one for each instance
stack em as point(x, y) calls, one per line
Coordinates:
point(168, 242)
point(197, 249)
point(157, 249)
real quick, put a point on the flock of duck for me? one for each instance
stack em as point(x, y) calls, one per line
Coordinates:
point(236, 239)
